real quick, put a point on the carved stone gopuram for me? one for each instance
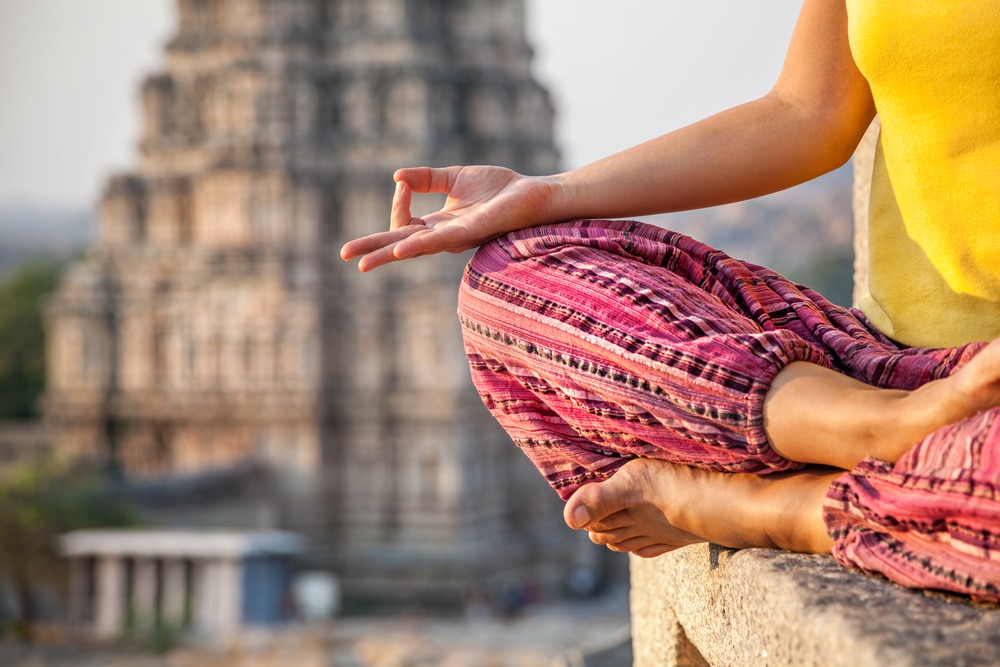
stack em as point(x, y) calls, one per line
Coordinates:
point(213, 324)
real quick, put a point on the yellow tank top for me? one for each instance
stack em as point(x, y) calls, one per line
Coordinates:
point(934, 227)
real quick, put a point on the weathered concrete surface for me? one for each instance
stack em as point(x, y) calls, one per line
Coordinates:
point(709, 605)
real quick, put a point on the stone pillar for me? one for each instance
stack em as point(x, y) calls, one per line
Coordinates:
point(205, 597)
point(109, 615)
point(77, 613)
point(218, 600)
point(144, 592)
point(174, 592)
point(229, 575)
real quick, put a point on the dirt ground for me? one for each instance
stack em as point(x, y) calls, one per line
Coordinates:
point(534, 638)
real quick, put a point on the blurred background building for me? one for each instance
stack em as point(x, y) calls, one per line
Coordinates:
point(216, 352)
point(240, 378)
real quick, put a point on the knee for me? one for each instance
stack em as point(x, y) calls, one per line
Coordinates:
point(502, 255)
point(491, 256)
point(482, 263)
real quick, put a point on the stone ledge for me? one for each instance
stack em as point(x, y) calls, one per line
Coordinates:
point(706, 605)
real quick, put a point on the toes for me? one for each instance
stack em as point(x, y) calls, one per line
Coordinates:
point(597, 501)
point(654, 550)
point(576, 514)
point(636, 544)
point(621, 519)
point(612, 536)
point(626, 540)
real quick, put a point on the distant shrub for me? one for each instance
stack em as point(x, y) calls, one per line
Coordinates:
point(22, 339)
point(40, 501)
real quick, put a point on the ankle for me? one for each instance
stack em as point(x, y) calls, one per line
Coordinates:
point(911, 416)
point(794, 521)
point(900, 420)
point(729, 509)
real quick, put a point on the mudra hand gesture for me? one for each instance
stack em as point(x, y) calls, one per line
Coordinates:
point(482, 203)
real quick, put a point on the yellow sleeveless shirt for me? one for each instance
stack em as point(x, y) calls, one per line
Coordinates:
point(934, 237)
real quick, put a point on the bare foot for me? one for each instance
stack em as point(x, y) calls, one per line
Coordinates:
point(650, 507)
point(973, 388)
point(976, 386)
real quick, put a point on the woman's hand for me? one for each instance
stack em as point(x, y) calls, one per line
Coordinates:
point(482, 203)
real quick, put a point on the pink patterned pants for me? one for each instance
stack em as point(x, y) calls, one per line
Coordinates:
point(596, 342)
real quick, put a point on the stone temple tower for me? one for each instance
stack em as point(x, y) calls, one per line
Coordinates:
point(213, 325)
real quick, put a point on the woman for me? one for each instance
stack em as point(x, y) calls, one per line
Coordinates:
point(673, 395)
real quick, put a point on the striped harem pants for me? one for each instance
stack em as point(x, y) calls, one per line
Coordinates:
point(596, 342)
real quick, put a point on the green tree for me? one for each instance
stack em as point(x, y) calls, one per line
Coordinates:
point(39, 501)
point(22, 339)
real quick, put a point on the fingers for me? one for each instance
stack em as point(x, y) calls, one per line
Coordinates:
point(403, 241)
point(417, 179)
point(373, 243)
point(400, 215)
point(441, 238)
point(428, 179)
point(401, 222)
point(413, 240)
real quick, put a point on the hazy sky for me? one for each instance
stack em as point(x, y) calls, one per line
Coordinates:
point(620, 72)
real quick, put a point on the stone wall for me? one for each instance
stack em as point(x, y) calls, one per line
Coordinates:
point(706, 605)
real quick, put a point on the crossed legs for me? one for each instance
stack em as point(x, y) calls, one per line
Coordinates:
point(812, 415)
point(673, 395)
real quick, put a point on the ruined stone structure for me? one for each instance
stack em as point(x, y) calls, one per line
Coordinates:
point(213, 322)
point(215, 584)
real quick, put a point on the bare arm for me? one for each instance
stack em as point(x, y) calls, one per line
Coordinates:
point(808, 124)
